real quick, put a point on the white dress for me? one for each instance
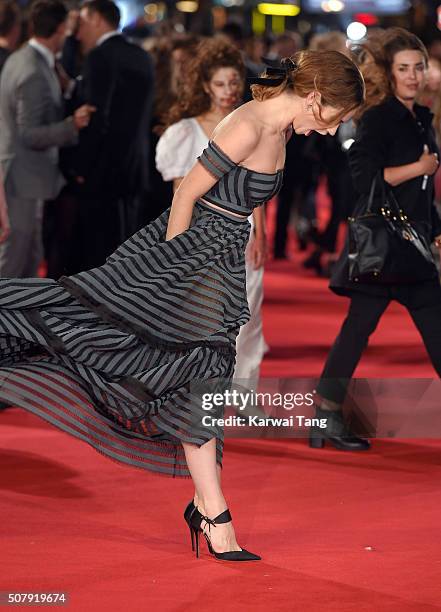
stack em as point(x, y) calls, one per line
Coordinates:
point(176, 153)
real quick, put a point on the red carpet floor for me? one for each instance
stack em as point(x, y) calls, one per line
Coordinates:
point(302, 318)
point(336, 531)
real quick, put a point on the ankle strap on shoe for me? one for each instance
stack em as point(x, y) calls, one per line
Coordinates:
point(223, 517)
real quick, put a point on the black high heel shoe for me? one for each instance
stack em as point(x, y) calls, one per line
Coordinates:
point(196, 519)
point(336, 432)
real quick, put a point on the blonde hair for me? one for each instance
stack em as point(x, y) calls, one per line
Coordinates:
point(331, 73)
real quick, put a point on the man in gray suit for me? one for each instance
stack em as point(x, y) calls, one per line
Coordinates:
point(32, 129)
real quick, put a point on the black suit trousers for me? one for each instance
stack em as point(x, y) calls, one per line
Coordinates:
point(423, 303)
point(105, 222)
point(81, 230)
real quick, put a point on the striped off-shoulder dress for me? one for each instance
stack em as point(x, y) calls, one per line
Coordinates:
point(111, 355)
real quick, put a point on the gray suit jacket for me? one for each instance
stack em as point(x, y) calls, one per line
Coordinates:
point(32, 126)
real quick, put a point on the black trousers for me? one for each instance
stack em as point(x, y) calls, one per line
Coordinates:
point(424, 305)
point(62, 248)
point(300, 177)
point(342, 199)
point(104, 224)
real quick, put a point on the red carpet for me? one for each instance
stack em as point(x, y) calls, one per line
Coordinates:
point(336, 531)
point(302, 318)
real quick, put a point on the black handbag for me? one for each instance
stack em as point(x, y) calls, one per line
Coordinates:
point(385, 247)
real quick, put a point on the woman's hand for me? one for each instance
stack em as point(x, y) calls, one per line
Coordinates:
point(82, 115)
point(437, 241)
point(429, 162)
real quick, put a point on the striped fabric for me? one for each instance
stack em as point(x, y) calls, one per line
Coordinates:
point(110, 355)
point(238, 189)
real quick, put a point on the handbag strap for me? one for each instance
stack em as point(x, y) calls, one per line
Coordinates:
point(387, 194)
point(377, 179)
point(394, 207)
point(371, 193)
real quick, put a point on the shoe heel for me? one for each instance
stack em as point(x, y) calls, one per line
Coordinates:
point(192, 538)
point(196, 534)
point(316, 442)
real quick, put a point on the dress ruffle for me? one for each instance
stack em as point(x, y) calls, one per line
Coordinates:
point(110, 355)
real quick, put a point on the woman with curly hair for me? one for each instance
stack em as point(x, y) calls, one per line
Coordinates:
point(394, 143)
point(118, 356)
point(211, 88)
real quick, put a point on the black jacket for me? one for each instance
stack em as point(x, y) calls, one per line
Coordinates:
point(388, 135)
point(112, 154)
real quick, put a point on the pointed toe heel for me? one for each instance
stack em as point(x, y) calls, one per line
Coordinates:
point(237, 555)
point(196, 519)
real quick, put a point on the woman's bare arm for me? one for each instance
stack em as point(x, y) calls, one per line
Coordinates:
point(176, 182)
point(258, 250)
point(426, 165)
point(400, 174)
point(197, 182)
point(238, 145)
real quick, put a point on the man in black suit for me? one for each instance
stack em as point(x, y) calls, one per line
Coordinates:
point(110, 164)
point(9, 29)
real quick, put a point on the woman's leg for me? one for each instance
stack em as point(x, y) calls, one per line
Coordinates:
point(205, 473)
point(426, 314)
point(364, 313)
point(219, 476)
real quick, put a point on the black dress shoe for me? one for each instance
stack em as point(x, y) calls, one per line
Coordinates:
point(189, 511)
point(336, 432)
point(196, 519)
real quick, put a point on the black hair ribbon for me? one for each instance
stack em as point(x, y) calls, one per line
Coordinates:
point(276, 72)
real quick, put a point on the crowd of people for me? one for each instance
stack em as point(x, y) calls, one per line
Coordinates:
point(86, 160)
point(107, 161)
point(139, 173)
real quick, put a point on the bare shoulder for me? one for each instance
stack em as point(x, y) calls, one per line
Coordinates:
point(238, 134)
